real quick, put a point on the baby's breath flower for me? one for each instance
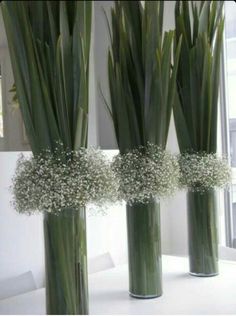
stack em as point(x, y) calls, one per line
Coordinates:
point(201, 172)
point(146, 172)
point(51, 183)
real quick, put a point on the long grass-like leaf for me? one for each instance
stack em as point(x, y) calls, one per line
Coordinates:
point(141, 77)
point(49, 44)
point(198, 74)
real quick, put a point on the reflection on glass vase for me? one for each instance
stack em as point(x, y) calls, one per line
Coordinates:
point(203, 233)
point(144, 249)
point(66, 263)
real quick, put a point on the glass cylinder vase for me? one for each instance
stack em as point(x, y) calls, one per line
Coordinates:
point(144, 249)
point(203, 233)
point(66, 263)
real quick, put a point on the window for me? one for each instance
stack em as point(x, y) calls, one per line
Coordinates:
point(229, 116)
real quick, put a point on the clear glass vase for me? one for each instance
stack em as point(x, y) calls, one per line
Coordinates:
point(144, 249)
point(66, 263)
point(203, 233)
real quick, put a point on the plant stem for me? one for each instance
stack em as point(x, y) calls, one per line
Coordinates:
point(66, 263)
point(144, 248)
point(202, 233)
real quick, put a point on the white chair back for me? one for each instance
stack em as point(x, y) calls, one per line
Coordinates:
point(226, 253)
point(17, 285)
point(100, 263)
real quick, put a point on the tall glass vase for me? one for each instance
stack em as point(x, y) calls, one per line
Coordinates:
point(66, 263)
point(144, 249)
point(203, 233)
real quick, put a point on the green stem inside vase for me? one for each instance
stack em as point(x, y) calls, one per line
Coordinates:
point(203, 233)
point(66, 262)
point(144, 249)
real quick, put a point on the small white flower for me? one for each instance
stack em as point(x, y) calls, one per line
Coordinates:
point(146, 172)
point(201, 172)
point(51, 183)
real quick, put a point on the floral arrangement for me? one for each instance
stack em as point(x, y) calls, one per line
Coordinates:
point(146, 172)
point(51, 183)
point(201, 172)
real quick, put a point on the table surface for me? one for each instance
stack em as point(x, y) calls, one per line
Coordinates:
point(182, 293)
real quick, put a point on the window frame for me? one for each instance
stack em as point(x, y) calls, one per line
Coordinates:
point(225, 138)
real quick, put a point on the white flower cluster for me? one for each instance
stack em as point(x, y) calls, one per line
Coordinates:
point(201, 172)
point(51, 183)
point(146, 172)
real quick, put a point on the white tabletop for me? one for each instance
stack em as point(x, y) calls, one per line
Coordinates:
point(182, 293)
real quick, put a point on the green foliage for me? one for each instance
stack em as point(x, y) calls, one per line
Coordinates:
point(49, 43)
point(196, 105)
point(141, 78)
